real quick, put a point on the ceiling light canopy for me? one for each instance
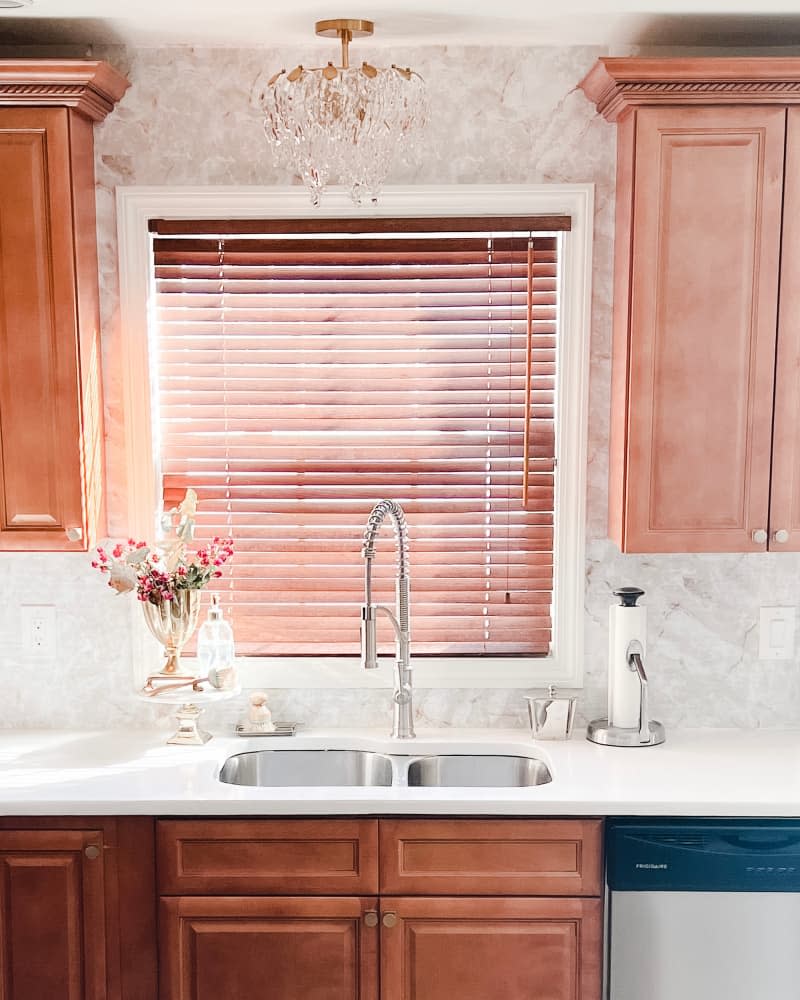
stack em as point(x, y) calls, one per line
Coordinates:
point(345, 122)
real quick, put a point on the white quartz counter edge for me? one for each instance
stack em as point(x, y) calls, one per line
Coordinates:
point(695, 773)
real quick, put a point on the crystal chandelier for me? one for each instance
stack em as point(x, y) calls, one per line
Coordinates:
point(340, 122)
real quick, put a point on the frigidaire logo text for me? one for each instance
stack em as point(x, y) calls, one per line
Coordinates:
point(638, 865)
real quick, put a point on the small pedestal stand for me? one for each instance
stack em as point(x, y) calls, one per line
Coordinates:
point(189, 702)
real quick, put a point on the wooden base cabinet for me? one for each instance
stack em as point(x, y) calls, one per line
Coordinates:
point(704, 453)
point(77, 911)
point(52, 915)
point(249, 948)
point(468, 909)
point(503, 949)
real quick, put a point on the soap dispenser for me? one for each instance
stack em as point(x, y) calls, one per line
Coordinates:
point(215, 649)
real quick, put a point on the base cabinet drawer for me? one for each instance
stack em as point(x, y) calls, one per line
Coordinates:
point(491, 857)
point(491, 949)
point(262, 857)
point(244, 948)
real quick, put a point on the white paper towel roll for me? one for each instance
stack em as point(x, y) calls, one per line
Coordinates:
point(624, 690)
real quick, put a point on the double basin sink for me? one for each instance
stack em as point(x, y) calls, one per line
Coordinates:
point(367, 768)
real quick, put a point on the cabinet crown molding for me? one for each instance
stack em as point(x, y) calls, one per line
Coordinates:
point(617, 84)
point(89, 86)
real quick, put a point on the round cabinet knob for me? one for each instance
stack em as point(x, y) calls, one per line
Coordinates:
point(389, 919)
point(92, 852)
point(759, 536)
point(371, 918)
point(782, 535)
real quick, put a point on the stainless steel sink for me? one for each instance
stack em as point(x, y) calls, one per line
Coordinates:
point(477, 771)
point(283, 768)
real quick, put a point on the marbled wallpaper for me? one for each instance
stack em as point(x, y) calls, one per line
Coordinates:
point(498, 115)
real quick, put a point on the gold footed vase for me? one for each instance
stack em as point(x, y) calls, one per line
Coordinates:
point(172, 623)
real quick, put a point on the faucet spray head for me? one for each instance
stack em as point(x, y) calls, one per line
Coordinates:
point(369, 638)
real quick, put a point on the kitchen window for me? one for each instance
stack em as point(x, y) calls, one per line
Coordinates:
point(303, 369)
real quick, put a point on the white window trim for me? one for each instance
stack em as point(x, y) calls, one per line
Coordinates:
point(137, 205)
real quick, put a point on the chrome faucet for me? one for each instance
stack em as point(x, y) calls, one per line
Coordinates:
point(403, 709)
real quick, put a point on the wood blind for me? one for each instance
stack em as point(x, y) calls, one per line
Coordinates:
point(303, 376)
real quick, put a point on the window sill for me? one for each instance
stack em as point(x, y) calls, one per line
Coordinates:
point(440, 672)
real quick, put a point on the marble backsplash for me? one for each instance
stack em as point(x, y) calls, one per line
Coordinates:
point(499, 115)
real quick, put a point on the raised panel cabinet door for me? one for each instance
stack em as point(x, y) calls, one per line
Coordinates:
point(784, 513)
point(704, 257)
point(286, 948)
point(41, 470)
point(52, 915)
point(491, 949)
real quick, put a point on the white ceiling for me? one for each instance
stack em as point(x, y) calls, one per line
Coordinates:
point(735, 23)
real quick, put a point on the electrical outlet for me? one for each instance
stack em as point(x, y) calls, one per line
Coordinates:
point(776, 633)
point(39, 630)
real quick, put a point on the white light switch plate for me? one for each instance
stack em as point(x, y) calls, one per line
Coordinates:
point(776, 633)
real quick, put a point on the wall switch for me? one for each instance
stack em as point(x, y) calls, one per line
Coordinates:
point(39, 630)
point(776, 634)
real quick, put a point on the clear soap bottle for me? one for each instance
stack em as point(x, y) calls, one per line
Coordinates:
point(215, 649)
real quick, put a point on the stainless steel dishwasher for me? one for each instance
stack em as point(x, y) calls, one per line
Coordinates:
point(703, 910)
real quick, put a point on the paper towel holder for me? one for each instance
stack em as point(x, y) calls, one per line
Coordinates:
point(648, 733)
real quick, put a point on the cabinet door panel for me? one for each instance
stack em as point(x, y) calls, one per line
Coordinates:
point(784, 512)
point(52, 919)
point(40, 426)
point(465, 857)
point(251, 857)
point(704, 291)
point(245, 948)
point(503, 949)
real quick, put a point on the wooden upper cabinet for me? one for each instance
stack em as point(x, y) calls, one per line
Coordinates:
point(784, 518)
point(701, 199)
point(51, 438)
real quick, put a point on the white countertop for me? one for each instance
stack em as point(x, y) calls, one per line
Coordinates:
point(695, 773)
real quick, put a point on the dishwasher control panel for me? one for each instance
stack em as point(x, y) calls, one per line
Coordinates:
point(709, 855)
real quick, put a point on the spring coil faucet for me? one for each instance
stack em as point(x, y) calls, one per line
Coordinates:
point(402, 710)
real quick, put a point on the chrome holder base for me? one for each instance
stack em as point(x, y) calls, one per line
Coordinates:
point(600, 731)
point(188, 734)
point(253, 729)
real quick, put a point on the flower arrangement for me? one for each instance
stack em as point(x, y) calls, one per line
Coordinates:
point(160, 574)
